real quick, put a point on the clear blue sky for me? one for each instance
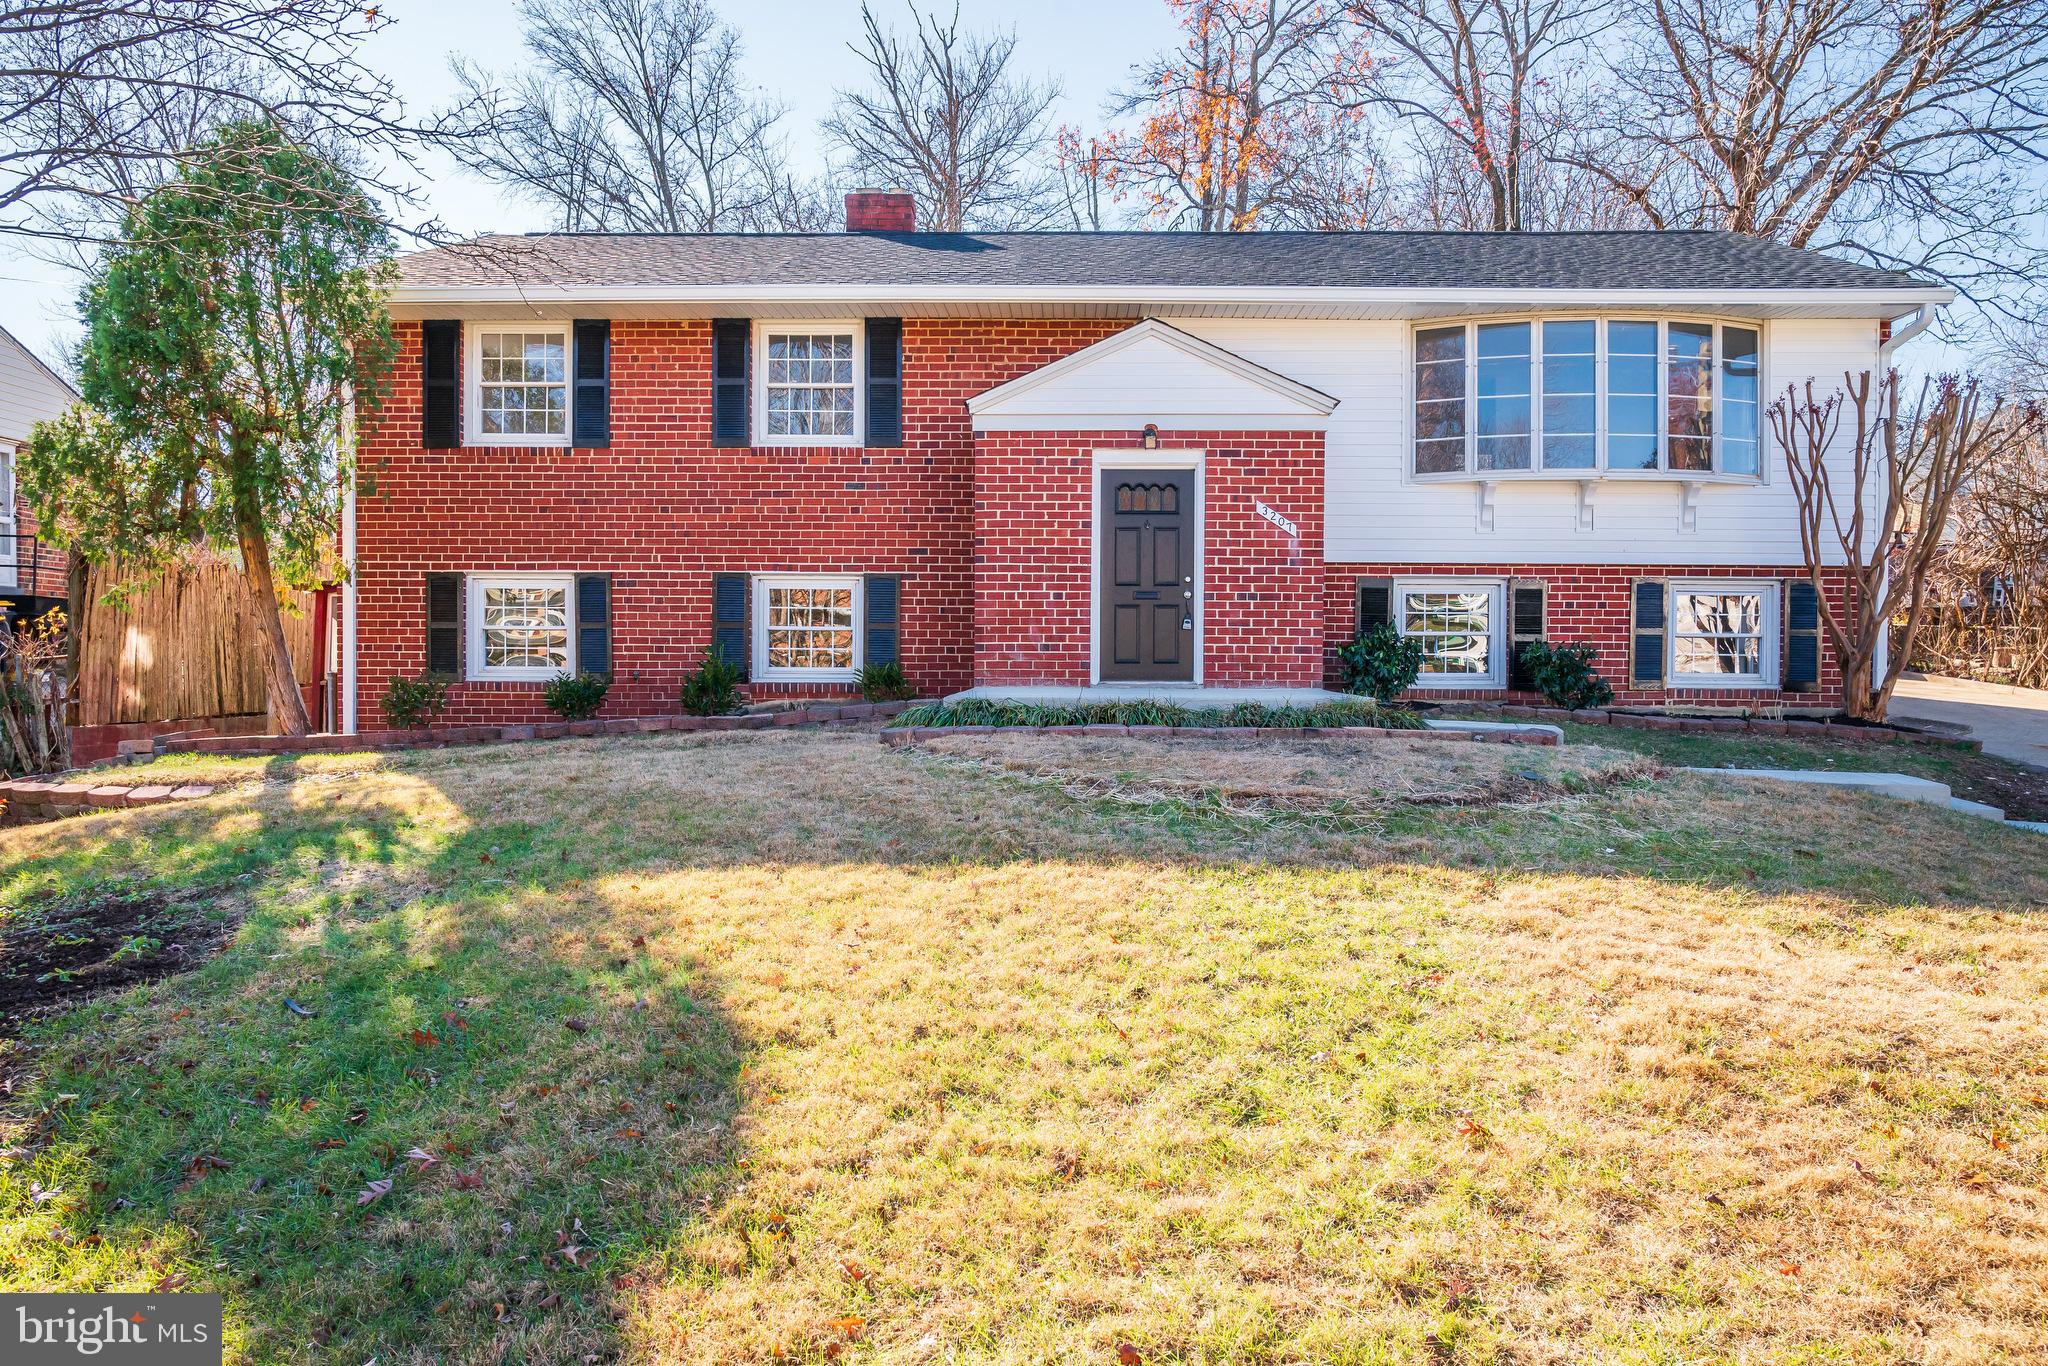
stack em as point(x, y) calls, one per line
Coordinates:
point(796, 50)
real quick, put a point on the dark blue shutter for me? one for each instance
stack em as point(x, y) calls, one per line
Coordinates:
point(593, 623)
point(1647, 639)
point(883, 602)
point(885, 381)
point(1375, 604)
point(440, 385)
point(444, 625)
point(729, 620)
point(1525, 615)
point(1802, 637)
point(592, 426)
point(731, 400)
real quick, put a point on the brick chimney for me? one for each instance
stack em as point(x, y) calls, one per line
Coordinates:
point(881, 211)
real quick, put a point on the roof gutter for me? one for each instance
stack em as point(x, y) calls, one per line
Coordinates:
point(541, 296)
point(1923, 318)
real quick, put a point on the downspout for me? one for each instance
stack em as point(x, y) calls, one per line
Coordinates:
point(348, 574)
point(1923, 318)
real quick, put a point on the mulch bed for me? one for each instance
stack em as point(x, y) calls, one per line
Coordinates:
point(56, 955)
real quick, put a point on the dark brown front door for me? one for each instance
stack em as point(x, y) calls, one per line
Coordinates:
point(1148, 576)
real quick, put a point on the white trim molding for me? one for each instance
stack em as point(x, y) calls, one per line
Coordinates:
point(475, 585)
point(473, 433)
point(758, 627)
point(1496, 675)
point(812, 327)
point(1768, 591)
point(1127, 459)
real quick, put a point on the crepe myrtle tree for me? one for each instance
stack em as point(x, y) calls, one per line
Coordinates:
point(227, 332)
point(1884, 505)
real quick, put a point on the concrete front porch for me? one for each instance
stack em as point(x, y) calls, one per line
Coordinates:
point(1188, 695)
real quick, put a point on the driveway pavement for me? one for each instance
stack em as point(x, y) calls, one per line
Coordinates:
point(2012, 722)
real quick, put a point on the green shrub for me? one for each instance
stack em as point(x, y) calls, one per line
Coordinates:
point(1381, 664)
point(713, 687)
point(884, 683)
point(576, 697)
point(983, 712)
point(1564, 674)
point(409, 703)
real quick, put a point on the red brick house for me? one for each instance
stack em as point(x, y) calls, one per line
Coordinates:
point(1038, 461)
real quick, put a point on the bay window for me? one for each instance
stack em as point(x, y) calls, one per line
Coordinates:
point(1580, 396)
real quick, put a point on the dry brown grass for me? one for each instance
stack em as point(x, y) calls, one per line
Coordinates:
point(966, 1068)
point(1251, 775)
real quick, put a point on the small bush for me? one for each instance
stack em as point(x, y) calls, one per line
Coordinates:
point(409, 703)
point(713, 687)
point(1381, 664)
point(576, 697)
point(1564, 674)
point(983, 712)
point(884, 683)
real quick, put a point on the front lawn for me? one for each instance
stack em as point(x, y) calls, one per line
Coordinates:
point(784, 1045)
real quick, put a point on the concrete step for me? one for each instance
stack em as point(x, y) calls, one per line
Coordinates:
point(1970, 808)
point(1903, 786)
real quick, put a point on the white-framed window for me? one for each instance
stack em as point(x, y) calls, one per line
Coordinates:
point(1460, 624)
point(1580, 396)
point(1724, 633)
point(806, 627)
point(521, 626)
point(518, 391)
point(807, 389)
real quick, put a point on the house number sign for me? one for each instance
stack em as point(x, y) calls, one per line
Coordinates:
point(1275, 518)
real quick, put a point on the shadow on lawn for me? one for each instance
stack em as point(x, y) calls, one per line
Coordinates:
point(476, 991)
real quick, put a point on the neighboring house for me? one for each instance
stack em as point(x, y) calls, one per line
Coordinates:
point(1016, 460)
point(31, 573)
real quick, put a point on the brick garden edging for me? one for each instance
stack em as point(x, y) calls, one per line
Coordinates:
point(1738, 725)
point(1522, 735)
point(33, 799)
point(66, 794)
point(436, 737)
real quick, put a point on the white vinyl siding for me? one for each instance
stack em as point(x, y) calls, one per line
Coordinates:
point(1377, 512)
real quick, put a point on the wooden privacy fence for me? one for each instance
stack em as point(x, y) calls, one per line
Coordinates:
point(184, 647)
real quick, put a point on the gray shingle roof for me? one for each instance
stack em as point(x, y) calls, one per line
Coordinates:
point(1150, 260)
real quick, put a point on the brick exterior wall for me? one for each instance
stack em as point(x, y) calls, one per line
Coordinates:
point(1262, 596)
point(991, 538)
point(39, 567)
point(1591, 604)
point(662, 510)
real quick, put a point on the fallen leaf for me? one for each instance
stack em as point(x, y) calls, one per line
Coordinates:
point(1861, 1170)
point(1471, 1128)
point(330, 1143)
point(1998, 1140)
point(576, 1025)
point(853, 1273)
point(295, 1008)
point(422, 1039)
point(549, 1300)
point(373, 1192)
point(575, 1255)
point(1127, 1355)
point(850, 1325)
point(1786, 1268)
point(1713, 1199)
point(467, 1181)
point(426, 1159)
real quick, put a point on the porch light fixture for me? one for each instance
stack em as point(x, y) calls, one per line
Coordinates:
point(1150, 440)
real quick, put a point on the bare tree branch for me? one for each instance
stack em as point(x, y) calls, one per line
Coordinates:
point(946, 119)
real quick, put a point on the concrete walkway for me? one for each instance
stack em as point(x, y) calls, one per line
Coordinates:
point(2012, 722)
